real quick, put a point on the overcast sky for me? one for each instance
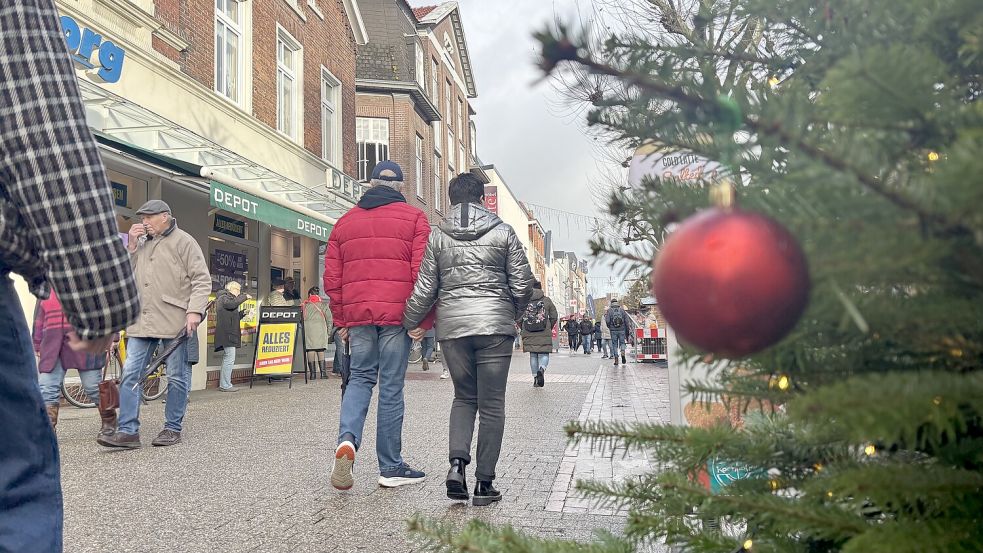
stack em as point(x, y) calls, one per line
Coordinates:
point(543, 154)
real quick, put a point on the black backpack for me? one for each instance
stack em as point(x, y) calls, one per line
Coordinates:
point(617, 321)
point(534, 318)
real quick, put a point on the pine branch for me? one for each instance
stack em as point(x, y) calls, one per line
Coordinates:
point(778, 131)
point(481, 537)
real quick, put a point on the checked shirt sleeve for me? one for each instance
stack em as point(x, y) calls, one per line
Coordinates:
point(57, 221)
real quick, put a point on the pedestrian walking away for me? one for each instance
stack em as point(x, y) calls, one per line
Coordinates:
point(618, 321)
point(228, 330)
point(317, 332)
point(587, 334)
point(427, 350)
point(476, 273)
point(605, 336)
point(538, 321)
point(171, 268)
point(373, 257)
point(51, 337)
point(58, 231)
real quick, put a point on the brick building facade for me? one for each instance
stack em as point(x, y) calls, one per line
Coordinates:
point(414, 86)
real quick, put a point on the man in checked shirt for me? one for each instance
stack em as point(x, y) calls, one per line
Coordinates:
point(57, 228)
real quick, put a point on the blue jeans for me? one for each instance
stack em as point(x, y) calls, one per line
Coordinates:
point(619, 343)
point(539, 362)
point(379, 354)
point(138, 352)
point(606, 346)
point(51, 383)
point(588, 343)
point(228, 361)
point(427, 344)
point(30, 478)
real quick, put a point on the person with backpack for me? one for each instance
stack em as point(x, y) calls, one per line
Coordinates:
point(587, 334)
point(573, 333)
point(617, 321)
point(537, 322)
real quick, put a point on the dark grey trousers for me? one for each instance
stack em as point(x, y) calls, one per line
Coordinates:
point(479, 367)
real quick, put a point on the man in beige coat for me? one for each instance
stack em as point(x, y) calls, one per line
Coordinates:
point(174, 285)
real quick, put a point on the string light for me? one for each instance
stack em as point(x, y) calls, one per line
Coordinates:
point(818, 466)
point(829, 495)
point(773, 81)
point(774, 484)
point(933, 156)
point(782, 382)
point(870, 450)
point(748, 544)
point(937, 400)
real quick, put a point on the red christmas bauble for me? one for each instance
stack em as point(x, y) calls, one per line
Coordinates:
point(731, 282)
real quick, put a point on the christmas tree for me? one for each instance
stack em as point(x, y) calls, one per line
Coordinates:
point(857, 125)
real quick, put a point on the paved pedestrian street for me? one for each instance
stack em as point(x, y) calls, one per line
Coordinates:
point(252, 473)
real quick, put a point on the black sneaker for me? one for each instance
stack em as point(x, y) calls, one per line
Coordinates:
point(402, 476)
point(623, 362)
point(540, 379)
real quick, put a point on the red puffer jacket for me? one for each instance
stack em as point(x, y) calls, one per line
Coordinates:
point(373, 258)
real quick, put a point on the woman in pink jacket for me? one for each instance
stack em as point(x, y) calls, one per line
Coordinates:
point(55, 357)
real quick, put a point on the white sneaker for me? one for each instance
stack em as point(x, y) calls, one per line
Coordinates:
point(343, 473)
point(444, 375)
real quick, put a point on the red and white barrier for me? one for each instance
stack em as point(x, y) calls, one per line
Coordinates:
point(650, 344)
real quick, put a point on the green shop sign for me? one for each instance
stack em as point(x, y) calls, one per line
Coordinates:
point(247, 205)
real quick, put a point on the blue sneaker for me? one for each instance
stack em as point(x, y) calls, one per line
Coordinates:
point(400, 477)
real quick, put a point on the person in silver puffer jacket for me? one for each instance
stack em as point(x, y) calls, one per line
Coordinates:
point(476, 274)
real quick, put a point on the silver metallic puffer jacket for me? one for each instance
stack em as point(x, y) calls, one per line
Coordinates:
point(477, 275)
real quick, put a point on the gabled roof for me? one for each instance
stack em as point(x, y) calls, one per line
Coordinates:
point(355, 18)
point(420, 13)
point(431, 16)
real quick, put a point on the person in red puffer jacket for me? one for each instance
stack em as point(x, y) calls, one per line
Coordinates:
point(371, 264)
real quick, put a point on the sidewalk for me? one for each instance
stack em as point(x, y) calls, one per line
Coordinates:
point(252, 474)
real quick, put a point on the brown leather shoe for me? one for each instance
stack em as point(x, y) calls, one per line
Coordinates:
point(108, 422)
point(167, 437)
point(120, 440)
point(52, 409)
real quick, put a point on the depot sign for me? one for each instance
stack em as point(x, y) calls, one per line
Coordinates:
point(83, 43)
point(253, 207)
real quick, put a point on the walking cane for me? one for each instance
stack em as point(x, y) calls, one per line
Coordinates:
point(346, 366)
point(161, 358)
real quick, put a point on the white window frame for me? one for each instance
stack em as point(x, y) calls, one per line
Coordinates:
point(474, 139)
point(296, 76)
point(449, 107)
point(237, 28)
point(419, 166)
point(450, 147)
point(364, 135)
point(438, 184)
point(421, 68)
point(435, 81)
point(331, 97)
point(460, 118)
point(438, 136)
point(462, 160)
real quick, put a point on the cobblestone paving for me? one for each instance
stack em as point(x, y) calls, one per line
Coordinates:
point(252, 473)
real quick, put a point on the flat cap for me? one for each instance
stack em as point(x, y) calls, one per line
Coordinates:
point(153, 207)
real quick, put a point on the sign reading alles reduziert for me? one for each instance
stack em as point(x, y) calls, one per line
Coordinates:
point(276, 340)
point(248, 205)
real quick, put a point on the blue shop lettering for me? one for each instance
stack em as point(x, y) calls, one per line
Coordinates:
point(82, 42)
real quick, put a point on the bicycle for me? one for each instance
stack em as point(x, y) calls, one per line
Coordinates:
point(153, 389)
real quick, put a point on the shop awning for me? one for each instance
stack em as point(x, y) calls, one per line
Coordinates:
point(266, 208)
point(153, 158)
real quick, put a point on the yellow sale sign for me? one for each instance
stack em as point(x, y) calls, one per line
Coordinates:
point(275, 348)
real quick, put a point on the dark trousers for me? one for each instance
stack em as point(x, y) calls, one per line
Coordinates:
point(479, 367)
point(30, 479)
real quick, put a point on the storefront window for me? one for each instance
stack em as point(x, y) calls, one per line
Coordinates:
point(233, 255)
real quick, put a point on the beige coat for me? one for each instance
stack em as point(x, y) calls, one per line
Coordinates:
point(173, 280)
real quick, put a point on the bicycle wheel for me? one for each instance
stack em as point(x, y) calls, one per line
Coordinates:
point(71, 388)
point(156, 384)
